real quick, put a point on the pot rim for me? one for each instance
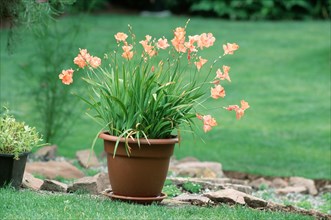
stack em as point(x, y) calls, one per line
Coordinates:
point(12, 155)
point(106, 136)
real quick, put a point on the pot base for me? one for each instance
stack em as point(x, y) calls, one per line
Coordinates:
point(138, 200)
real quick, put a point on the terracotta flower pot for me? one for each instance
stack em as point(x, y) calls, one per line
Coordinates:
point(11, 170)
point(142, 174)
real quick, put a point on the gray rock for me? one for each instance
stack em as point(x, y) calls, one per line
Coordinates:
point(54, 186)
point(326, 188)
point(241, 188)
point(174, 203)
point(87, 158)
point(279, 183)
point(52, 169)
point(256, 184)
point(46, 153)
point(229, 196)
point(93, 185)
point(308, 183)
point(291, 189)
point(211, 184)
point(255, 202)
point(194, 199)
point(198, 169)
point(232, 196)
point(30, 182)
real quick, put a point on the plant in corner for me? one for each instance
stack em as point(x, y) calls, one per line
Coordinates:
point(143, 93)
point(16, 141)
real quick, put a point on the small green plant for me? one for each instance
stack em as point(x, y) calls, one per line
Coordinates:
point(171, 189)
point(263, 186)
point(17, 137)
point(304, 204)
point(192, 187)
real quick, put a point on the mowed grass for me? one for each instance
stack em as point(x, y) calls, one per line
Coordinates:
point(31, 205)
point(282, 69)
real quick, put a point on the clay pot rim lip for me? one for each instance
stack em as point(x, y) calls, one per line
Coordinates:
point(12, 155)
point(106, 136)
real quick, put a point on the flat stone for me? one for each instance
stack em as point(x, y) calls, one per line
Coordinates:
point(194, 199)
point(174, 203)
point(52, 169)
point(326, 188)
point(308, 183)
point(291, 189)
point(279, 183)
point(46, 153)
point(87, 158)
point(212, 184)
point(241, 188)
point(30, 182)
point(93, 185)
point(54, 186)
point(255, 202)
point(256, 184)
point(232, 196)
point(198, 169)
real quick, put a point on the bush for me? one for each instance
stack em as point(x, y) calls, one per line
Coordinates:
point(268, 9)
point(16, 137)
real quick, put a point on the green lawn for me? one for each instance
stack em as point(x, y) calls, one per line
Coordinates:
point(31, 205)
point(282, 69)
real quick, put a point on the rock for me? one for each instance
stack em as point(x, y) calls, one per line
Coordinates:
point(194, 199)
point(211, 184)
point(92, 185)
point(227, 196)
point(279, 183)
point(308, 183)
point(52, 169)
point(46, 153)
point(291, 189)
point(255, 202)
point(187, 159)
point(54, 186)
point(30, 182)
point(174, 203)
point(326, 188)
point(232, 196)
point(198, 169)
point(87, 158)
point(260, 182)
point(241, 188)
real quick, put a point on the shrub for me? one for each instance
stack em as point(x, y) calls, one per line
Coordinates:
point(17, 137)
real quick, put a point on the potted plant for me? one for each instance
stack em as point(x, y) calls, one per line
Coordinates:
point(142, 93)
point(16, 141)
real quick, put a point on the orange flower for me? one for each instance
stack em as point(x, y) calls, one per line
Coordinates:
point(179, 40)
point(82, 58)
point(120, 36)
point(217, 92)
point(180, 33)
point(95, 62)
point(230, 48)
point(127, 54)
point(148, 48)
point(224, 76)
point(200, 63)
point(208, 122)
point(244, 105)
point(206, 40)
point(162, 43)
point(178, 45)
point(239, 111)
point(66, 76)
